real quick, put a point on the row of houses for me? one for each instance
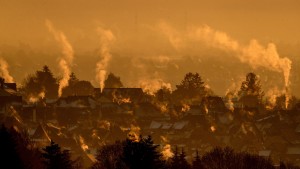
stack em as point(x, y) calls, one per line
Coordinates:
point(78, 122)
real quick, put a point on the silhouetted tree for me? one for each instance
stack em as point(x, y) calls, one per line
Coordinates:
point(78, 87)
point(197, 163)
point(174, 161)
point(113, 81)
point(54, 158)
point(251, 86)
point(191, 87)
point(16, 151)
point(8, 149)
point(109, 157)
point(183, 164)
point(224, 158)
point(163, 95)
point(141, 153)
point(42, 81)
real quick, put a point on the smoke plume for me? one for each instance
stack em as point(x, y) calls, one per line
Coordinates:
point(4, 73)
point(167, 152)
point(151, 86)
point(253, 54)
point(106, 40)
point(66, 61)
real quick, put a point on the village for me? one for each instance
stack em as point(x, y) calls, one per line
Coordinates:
point(83, 123)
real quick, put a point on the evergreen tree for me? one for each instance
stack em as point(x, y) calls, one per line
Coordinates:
point(251, 86)
point(197, 164)
point(8, 150)
point(77, 87)
point(113, 81)
point(42, 81)
point(54, 158)
point(183, 164)
point(109, 157)
point(141, 153)
point(191, 88)
point(16, 151)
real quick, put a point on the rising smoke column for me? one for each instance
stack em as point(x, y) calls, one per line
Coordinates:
point(106, 39)
point(65, 62)
point(4, 73)
point(153, 85)
point(253, 54)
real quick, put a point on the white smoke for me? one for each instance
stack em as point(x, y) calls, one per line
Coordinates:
point(167, 152)
point(150, 86)
point(106, 39)
point(254, 54)
point(66, 60)
point(4, 73)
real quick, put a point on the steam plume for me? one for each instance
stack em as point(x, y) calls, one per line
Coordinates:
point(167, 152)
point(4, 71)
point(151, 86)
point(253, 54)
point(66, 60)
point(106, 39)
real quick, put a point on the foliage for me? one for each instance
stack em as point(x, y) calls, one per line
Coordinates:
point(141, 154)
point(197, 163)
point(178, 161)
point(55, 158)
point(191, 87)
point(108, 157)
point(223, 158)
point(17, 151)
point(131, 154)
point(77, 87)
point(163, 94)
point(113, 81)
point(251, 86)
point(42, 81)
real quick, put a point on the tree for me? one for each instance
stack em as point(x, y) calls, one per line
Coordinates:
point(197, 164)
point(109, 157)
point(163, 94)
point(16, 151)
point(54, 158)
point(113, 81)
point(191, 87)
point(251, 86)
point(77, 87)
point(178, 161)
point(42, 81)
point(141, 154)
point(8, 150)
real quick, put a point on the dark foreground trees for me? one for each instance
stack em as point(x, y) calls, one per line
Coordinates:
point(16, 151)
point(55, 158)
point(144, 154)
point(130, 154)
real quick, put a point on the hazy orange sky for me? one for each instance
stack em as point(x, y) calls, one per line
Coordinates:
point(26, 43)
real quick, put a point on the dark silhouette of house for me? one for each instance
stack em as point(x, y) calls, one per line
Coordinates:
point(8, 96)
point(213, 105)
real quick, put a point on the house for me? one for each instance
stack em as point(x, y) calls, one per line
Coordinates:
point(213, 105)
point(72, 108)
point(135, 95)
point(8, 96)
point(40, 136)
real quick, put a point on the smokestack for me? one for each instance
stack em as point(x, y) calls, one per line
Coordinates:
point(4, 73)
point(107, 38)
point(66, 61)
